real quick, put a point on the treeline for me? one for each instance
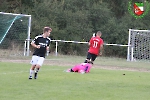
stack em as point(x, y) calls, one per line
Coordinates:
point(78, 19)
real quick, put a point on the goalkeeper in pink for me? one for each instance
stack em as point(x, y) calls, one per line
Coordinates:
point(81, 68)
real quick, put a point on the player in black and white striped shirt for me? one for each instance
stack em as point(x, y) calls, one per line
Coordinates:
point(41, 44)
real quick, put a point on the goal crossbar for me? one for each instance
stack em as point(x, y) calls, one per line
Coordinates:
point(4, 13)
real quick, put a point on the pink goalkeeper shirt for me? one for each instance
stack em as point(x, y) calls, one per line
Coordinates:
point(83, 66)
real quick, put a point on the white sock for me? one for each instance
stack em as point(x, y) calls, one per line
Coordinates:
point(31, 72)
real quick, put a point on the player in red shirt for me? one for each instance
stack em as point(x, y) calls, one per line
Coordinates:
point(95, 47)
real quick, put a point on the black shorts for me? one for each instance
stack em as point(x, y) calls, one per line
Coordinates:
point(91, 56)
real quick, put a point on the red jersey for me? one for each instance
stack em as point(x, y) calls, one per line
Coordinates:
point(95, 43)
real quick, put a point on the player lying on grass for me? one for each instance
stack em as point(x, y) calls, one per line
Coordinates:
point(81, 68)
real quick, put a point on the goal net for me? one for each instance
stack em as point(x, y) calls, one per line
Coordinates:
point(14, 30)
point(139, 49)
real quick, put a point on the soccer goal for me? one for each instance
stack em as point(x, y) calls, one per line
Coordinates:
point(140, 45)
point(14, 30)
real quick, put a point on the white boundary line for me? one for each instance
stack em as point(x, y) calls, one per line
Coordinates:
point(4, 73)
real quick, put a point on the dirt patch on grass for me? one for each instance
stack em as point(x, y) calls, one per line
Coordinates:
point(58, 62)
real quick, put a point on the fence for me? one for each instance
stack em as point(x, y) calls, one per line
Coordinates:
point(64, 41)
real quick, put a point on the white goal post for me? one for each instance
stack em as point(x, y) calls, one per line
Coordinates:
point(140, 45)
point(15, 28)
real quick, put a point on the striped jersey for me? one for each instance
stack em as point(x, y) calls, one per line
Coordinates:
point(43, 42)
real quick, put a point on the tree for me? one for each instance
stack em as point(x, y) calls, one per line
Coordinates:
point(79, 19)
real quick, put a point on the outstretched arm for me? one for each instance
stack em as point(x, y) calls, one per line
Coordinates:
point(101, 50)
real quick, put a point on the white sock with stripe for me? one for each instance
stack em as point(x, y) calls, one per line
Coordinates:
point(31, 72)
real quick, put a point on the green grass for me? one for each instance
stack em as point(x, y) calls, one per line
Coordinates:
point(54, 84)
point(120, 63)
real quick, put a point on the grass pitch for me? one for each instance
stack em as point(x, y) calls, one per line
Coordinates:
point(54, 84)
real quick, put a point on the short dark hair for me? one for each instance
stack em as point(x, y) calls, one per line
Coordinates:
point(46, 29)
point(99, 33)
